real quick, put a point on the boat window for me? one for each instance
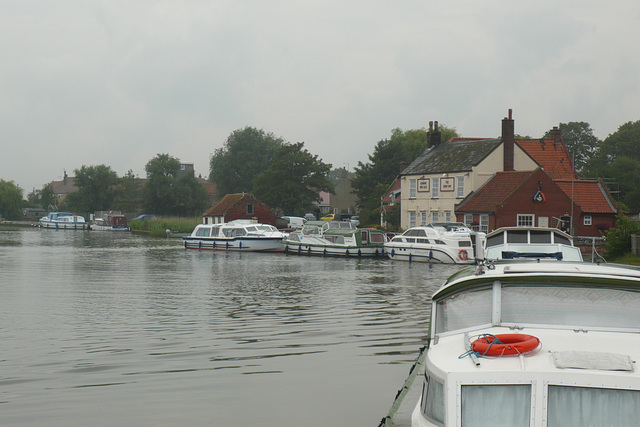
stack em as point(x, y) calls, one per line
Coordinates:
point(423, 241)
point(376, 237)
point(433, 399)
point(496, 405)
point(464, 243)
point(415, 233)
point(561, 239)
point(571, 305)
point(339, 240)
point(365, 237)
point(332, 239)
point(496, 240)
point(464, 310)
point(252, 229)
point(517, 236)
point(203, 232)
point(410, 240)
point(579, 406)
point(540, 237)
point(438, 242)
point(294, 237)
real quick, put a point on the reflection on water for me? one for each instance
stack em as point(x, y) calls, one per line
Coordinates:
point(113, 328)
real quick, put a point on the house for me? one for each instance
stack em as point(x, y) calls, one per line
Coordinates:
point(62, 188)
point(533, 198)
point(445, 173)
point(342, 200)
point(389, 199)
point(239, 206)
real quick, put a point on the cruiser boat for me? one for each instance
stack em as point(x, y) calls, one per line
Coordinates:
point(450, 243)
point(63, 221)
point(238, 235)
point(533, 342)
point(111, 222)
point(338, 238)
point(530, 242)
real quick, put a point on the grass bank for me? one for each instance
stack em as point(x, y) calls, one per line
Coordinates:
point(158, 227)
point(627, 259)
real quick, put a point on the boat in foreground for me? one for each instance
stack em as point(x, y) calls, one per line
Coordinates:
point(449, 243)
point(534, 342)
point(111, 222)
point(238, 235)
point(63, 221)
point(335, 238)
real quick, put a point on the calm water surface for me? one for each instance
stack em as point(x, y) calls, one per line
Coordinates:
point(106, 329)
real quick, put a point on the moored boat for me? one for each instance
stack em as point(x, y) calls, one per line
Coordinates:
point(335, 238)
point(111, 222)
point(449, 243)
point(530, 242)
point(533, 342)
point(63, 221)
point(238, 235)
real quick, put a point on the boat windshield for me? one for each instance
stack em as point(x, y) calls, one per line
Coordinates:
point(569, 305)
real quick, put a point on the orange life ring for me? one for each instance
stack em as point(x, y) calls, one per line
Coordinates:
point(463, 255)
point(505, 344)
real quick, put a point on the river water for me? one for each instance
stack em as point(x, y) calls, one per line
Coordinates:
point(104, 329)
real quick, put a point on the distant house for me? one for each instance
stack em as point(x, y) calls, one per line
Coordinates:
point(391, 197)
point(62, 188)
point(239, 206)
point(343, 199)
point(533, 199)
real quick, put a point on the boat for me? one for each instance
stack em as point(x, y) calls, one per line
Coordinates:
point(530, 242)
point(238, 235)
point(110, 222)
point(335, 238)
point(533, 341)
point(63, 221)
point(441, 242)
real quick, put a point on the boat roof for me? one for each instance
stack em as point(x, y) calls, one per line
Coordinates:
point(535, 271)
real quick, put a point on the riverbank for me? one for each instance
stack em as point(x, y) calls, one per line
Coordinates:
point(158, 227)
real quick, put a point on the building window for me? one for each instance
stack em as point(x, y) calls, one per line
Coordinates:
point(435, 217)
point(526, 220)
point(460, 193)
point(447, 216)
point(587, 220)
point(412, 219)
point(423, 217)
point(249, 209)
point(468, 219)
point(435, 191)
point(484, 223)
point(412, 188)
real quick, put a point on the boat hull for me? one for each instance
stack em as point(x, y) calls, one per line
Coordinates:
point(95, 227)
point(245, 244)
point(432, 254)
point(294, 248)
point(64, 225)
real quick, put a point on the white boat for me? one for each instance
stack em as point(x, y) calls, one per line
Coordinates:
point(335, 238)
point(111, 222)
point(63, 221)
point(530, 242)
point(450, 243)
point(534, 342)
point(238, 235)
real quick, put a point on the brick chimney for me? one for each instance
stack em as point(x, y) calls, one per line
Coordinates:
point(555, 135)
point(434, 134)
point(508, 142)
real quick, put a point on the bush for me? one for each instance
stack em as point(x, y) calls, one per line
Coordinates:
point(158, 227)
point(618, 240)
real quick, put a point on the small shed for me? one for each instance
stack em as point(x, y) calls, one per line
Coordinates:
point(239, 206)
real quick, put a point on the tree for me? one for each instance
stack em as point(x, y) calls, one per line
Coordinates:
point(293, 180)
point(128, 193)
point(159, 196)
point(580, 141)
point(95, 189)
point(390, 157)
point(246, 153)
point(191, 198)
point(618, 160)
point(48, 199)
point(10, 200)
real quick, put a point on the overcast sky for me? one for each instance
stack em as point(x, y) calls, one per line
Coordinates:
point(116, 82)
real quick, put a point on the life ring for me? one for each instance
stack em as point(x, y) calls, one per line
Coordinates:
point(505, 344)
point(463, 255)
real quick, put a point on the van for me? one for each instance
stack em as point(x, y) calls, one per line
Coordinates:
point(294, 221)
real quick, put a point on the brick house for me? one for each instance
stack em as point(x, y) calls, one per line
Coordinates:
point(533, 198)
point(239, 206)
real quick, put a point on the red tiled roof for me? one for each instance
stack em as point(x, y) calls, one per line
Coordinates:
point(392, 188)
point(590, 195)
point(552, 156)
point(227, 202)
point(494, 192)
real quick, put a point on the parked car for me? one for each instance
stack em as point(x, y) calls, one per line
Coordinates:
point(309, 216)
point(355, 220)
point(328, 217)
point(145, 217)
